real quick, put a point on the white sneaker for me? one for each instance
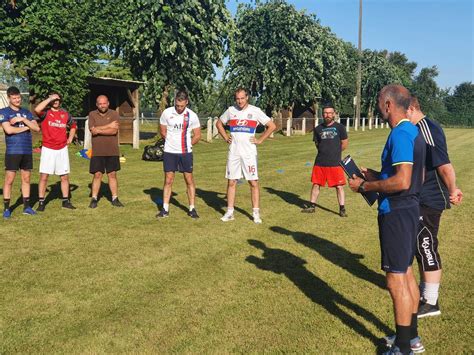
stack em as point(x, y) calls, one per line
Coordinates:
point(256, 218)
point(227, 217)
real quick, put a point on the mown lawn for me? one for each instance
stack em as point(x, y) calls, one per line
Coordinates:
point(118, 280)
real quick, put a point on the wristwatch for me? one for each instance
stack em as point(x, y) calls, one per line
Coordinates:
point(361, 188)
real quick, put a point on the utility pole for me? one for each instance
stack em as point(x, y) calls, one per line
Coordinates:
point(359, 71)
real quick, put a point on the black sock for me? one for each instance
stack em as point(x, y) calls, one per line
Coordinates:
point(65, 199)
point(414, 326)
point(6, 203)
point(341, 207)
point(403, 338)
point(26, 202)
point(41, 200)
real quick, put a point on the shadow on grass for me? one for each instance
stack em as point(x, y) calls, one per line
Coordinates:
point(156, 196)
point(336, 255)
point(294, 199)
point(217, 202)
point(19, 200)
point(282, 262)
point(55, 191)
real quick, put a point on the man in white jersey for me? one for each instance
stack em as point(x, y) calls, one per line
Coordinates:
point(176, 125)
point(243, 120)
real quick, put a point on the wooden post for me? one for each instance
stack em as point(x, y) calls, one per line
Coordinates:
point(136, 121)
point(209, 130)
point(303, 126)
point(348, 123)
point(87, 136)
point(377, 122)
point(272, 134)
point(215, 132)
point(363, 123)
point(370, 123)
point(288, 127)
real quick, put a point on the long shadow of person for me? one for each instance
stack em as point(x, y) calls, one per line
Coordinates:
point(282, 262)
point(56, 193)
point(156, 196)
point(335, 254)
point(33, 197)
point(104, 191)
point(216, 200)
point(294, 199)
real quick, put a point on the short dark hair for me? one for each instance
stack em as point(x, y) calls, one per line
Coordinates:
point(240, 89)
point(13, 90)
point(56, 93)
point(181, 95)
point(398, 93)
point(329, 106)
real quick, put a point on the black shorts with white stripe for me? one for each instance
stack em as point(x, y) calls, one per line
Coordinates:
point(427, 239)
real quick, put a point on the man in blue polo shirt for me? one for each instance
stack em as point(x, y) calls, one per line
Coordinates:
point(17, 124)
point(439, 190)
point(399, 184)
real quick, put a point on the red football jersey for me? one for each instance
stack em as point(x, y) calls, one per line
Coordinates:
point(54, 126)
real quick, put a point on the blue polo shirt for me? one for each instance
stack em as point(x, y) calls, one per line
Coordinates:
point(404, 146)
point(20, 143)
point(434, 194)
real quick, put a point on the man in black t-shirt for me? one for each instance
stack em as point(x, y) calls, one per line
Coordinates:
point(439, 190)
point(331, 139)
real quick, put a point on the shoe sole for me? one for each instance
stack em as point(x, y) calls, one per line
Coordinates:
point(430, 314)
point(29, 214)
point(227, 220)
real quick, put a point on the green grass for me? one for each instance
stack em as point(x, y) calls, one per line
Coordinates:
point(118, 280)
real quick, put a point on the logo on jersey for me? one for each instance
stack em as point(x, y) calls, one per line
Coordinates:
point(249, 116)
point(2, 117)
point(241, 122)
point(242, 126)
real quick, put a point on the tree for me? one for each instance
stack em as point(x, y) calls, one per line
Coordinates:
point(284, 56)
point(55, 42)
point(10, 76)
point(175, 43)
point(405, 69)
point(429, 94)
point(460, 104)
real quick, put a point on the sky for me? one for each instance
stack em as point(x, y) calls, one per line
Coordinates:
point(429, 32)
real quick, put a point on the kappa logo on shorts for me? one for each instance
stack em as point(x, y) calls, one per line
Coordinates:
point(242, 122)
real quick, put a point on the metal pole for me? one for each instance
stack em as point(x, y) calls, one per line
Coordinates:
point(359, 70)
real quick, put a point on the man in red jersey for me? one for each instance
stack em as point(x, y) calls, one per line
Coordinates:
point(55, 123)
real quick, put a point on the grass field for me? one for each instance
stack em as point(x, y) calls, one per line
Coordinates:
point(118, 280)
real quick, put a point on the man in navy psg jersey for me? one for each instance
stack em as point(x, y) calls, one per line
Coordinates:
point(439, 190)
point(399, 185)
point(17, 123)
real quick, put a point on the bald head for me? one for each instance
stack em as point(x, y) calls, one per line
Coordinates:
point(102, 103)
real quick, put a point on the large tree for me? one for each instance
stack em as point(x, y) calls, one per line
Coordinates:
point(283, 56)
point(460, 105)
point(55, 42)
point(429, 94)
point(175, 43)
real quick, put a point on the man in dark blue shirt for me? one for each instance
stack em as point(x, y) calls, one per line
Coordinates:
point(439, 190)
point(17, 124)
point(399, 184)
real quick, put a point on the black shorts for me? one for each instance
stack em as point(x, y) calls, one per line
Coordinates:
point(104, 164)
point(178, 162)
point(14, 162)
point(427, 239)
point(397, 233)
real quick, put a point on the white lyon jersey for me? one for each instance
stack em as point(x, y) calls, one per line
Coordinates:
point(178, 129)
point(243, 124)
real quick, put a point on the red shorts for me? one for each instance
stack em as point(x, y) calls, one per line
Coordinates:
point(334, 175)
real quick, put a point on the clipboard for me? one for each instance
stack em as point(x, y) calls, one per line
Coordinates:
point(351, 168)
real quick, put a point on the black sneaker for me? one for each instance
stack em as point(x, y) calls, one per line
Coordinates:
point(342, 212)
point(309, 208)
point(93, 203)
point(41, 206)
point(67, 204)
point(117, 203)
point(428, 310)
point(162, 214)
point(193, 213)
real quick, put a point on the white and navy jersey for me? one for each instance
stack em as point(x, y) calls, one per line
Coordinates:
point(434, 193)
point(178, 129)
point(243, 125)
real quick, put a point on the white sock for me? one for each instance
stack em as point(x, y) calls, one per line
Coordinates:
point(114, 198)
point(256, 210)
point(166, 206)
point(230, 210)
point(430, 292)
point(191, 207)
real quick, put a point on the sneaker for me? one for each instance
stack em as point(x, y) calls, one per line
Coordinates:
point(7, 213)
point(93, 203)
point(163, 214)
point(428, 310)
point(395, 350)
point(41, 206)
point(256, 218)
point(67, 204)
point(117, 203)
point(29, 211)
point(193, 213)
point(227, 217)
point(342, 213)
point(415, 343)
point(309, 208)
